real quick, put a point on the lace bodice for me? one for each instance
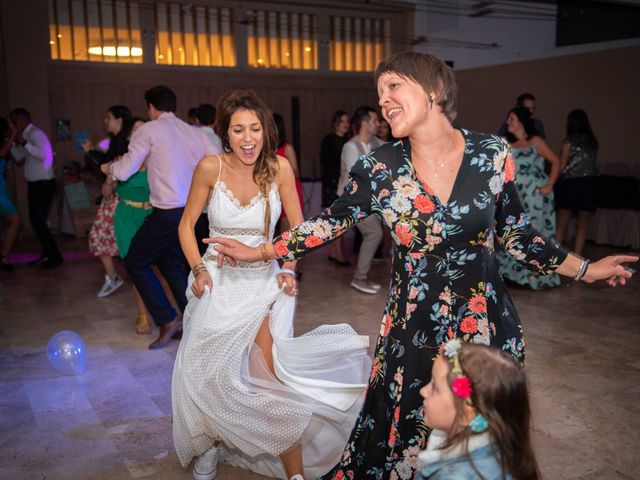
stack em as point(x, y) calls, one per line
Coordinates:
point(228, 218)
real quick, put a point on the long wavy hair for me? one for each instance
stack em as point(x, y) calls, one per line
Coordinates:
point(119, 143)
point(265, 169)
point(501, 395)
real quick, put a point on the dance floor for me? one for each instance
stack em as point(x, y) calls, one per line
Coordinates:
point(114, 421)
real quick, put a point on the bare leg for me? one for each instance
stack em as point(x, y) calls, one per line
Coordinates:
point(142, 310)
point(563, 217)
point(292, 458)
point(143, 326)
point(292, 461)
point(336, 250)
point(581, 231)
point(10, 235)
point(109, 266)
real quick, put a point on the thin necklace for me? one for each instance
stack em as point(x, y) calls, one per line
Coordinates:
point(440, 164)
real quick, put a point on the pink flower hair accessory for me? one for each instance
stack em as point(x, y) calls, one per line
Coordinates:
point(460, 385)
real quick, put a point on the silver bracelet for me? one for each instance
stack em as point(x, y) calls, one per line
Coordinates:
point(289, 271)
point(579, 269)
point(583, 270)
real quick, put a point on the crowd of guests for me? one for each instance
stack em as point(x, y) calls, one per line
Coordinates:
point(466, 413)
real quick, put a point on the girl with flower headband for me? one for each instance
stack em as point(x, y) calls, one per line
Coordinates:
point(478, 407)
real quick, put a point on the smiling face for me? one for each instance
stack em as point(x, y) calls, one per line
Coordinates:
point(439, 406)
point(246, 135)
point(404, 103)
point(513, 123)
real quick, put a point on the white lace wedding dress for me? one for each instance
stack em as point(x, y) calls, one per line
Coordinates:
point(222, 389)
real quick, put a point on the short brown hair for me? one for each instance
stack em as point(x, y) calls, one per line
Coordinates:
point(500, 394)
point(430, 72)
point(265, 169)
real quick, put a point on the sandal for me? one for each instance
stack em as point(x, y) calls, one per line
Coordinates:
point(142, 325)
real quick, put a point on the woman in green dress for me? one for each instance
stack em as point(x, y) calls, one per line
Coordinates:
point(129, 215)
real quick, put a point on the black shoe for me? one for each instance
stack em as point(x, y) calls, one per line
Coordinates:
point(50, 263)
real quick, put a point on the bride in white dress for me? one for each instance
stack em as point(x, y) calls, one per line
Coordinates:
point(245, 390)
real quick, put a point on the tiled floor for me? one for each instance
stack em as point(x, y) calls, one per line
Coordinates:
point(114, 421)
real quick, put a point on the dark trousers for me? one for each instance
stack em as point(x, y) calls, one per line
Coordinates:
point(156, 242)
point(40, 195)
point(202, 231)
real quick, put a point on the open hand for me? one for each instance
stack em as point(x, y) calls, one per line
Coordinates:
point(201, 282)
point(611, 269)
point(234, 251)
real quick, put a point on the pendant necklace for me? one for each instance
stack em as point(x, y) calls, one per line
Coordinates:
point(440, 164)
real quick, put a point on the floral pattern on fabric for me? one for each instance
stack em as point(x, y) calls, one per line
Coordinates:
point(445, 283)
point(540, 212)
point(102, 237)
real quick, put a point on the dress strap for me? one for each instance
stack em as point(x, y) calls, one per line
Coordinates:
point(219, 167)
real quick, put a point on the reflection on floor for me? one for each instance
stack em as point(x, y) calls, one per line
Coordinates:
point(114, 421)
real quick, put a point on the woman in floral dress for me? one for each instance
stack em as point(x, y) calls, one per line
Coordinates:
point(535, 189)
point(447, 195)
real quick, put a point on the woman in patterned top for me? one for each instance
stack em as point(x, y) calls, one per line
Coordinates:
point(447, 195)
point(579, 182)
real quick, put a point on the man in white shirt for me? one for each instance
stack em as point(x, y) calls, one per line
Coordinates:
point(33, 149)
point(171, 149)
point(365, 121)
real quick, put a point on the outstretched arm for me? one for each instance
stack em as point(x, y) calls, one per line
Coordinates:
point(350, 208)
point(544, 256)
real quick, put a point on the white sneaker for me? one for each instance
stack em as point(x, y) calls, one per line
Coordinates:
point(110, 285)
point(365, 286)
point(375, 285)
point(206, 466)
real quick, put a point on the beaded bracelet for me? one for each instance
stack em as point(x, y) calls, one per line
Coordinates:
point(293, 273)
point(200, 267)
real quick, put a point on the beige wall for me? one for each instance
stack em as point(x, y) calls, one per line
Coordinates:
point(605, 84)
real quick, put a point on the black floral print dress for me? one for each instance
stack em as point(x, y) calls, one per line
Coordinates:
point(445, 283)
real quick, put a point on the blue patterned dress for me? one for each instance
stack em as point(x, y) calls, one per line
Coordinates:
point(445, 283)
point(540, 210)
